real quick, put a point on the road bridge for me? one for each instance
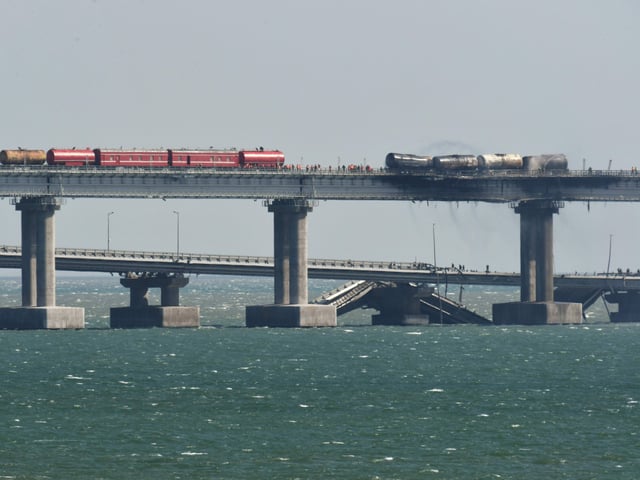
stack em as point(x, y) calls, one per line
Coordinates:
point(124, 261)
point(291, 195)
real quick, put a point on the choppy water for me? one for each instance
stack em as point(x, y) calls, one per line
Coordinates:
point(352, 402)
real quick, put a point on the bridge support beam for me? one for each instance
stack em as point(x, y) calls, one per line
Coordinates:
point(39, 310)
point(290, 308)
point(536, 304)
point(139, 314)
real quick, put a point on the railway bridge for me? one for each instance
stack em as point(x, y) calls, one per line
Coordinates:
point(291, 195)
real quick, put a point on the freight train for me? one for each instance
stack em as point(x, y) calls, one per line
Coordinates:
point(258, 158)
point(470, 163)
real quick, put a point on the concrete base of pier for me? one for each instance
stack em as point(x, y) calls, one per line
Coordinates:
point(41, 318)
point(628, 306)
point(537, 313)
point(291, 316)
point(155, 316)
point(624, 317)
point(405, 320)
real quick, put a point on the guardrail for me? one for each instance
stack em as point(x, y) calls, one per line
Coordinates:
point(227, 259)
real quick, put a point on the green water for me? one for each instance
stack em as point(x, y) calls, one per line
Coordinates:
point(353, 402)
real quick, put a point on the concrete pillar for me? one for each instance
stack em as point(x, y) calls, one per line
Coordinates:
point(29, 297)
point(290, 307)
point(536, 250)
point(170, 296)
point(39, 310)
point(38, 254)
point(298, 289)
point(290, 250)
point(537, 306)
point(281, 256)
point(46, 258)
point(138, 296)
point(544, 254)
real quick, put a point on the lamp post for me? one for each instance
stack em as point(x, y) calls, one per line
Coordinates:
point(609, 261)
point(177, 232)
point(109, 230)
point(435, 267)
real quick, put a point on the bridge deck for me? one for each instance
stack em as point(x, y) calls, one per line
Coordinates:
point(122, 261)
point(318, 185)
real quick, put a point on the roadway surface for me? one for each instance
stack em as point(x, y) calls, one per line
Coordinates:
point(121, 262)
point(497, 187)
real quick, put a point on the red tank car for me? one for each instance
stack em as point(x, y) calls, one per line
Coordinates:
point(204, 158)
point(131, 158)
point(71, 157)
point(261, 158)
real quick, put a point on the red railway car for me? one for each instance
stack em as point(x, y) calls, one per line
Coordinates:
point(204, 158)
point(261, 158)
point(71, 157)
point(131, 158)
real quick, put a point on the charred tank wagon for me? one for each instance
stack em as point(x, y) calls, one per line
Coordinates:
point(500, 161)
point(455, 162)
point(407, 161)
point(471, 163)
point(556, 161)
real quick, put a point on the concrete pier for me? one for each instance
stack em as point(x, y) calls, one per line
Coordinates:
point(536, 250)
point(628, 306)
point(39, 310)
point(536, 304)
point(290, 308)
point(399, 304)
point(38, 251)
point(139, 314)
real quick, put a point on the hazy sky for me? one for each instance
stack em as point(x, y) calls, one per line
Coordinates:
point(326, 81)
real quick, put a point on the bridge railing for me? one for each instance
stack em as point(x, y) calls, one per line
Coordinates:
point(231, 259)
point(345, 169)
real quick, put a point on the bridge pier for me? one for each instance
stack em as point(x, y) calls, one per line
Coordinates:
point(39, 310)
point(628, 306)
point(536, 306)
point(399, 304)
point(139, 314)
point(291, 307)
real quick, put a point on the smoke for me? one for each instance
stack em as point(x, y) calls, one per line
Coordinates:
point(444, 147)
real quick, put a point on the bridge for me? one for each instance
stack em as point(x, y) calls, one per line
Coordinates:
point(362, 276)
point(290, 195)
point(495, 187)
point(125, 261)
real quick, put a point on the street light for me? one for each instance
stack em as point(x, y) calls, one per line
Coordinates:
point(109, 230)
point(435, 267)
point(177, 232)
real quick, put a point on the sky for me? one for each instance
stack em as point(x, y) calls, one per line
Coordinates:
point(328, 82)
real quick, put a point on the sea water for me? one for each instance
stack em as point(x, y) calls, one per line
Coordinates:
point(352, 402)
